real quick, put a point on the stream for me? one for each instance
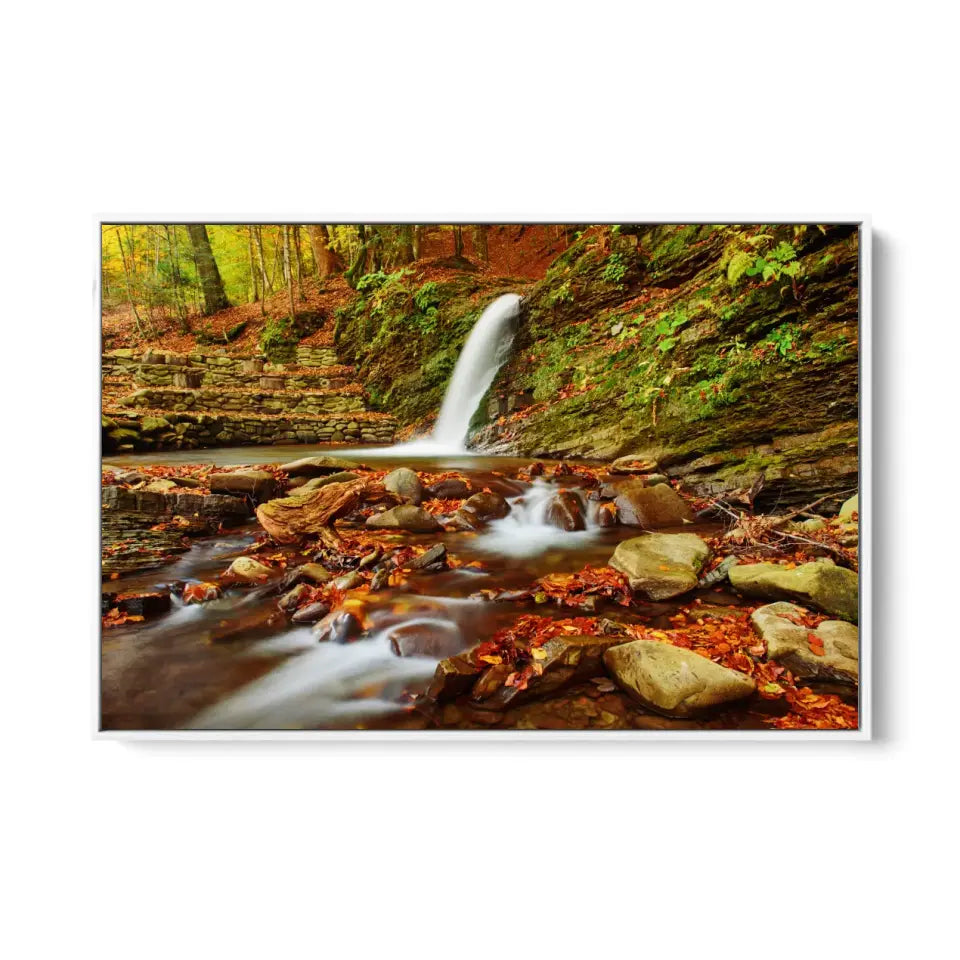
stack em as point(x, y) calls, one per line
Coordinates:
point(237, 662)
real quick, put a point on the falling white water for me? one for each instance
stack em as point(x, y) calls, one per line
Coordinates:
point(483, 354)
point(525, 530)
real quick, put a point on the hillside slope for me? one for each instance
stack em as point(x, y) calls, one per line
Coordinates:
point(727, 353)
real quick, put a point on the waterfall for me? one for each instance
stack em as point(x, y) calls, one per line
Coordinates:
point(485, 351)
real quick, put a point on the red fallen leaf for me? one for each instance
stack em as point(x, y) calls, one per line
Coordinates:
point(200, 592)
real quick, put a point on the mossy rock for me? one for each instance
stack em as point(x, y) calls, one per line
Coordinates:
point(153, 424)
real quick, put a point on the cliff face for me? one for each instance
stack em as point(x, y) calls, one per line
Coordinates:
point(727, 353)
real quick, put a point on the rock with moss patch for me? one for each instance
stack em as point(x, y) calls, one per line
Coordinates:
point(823, 585)
point(661, 565)
point(850, 508)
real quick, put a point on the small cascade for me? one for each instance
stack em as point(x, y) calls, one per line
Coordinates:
point(526, 531)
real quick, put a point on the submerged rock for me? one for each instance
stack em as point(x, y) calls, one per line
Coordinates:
point(651, 507)
point(661, 565)
point(405, 484)
point(823, 585)
point(437, 554)
point(790, 644)
point(404, 517)
point(673, 681)
point(425, 638)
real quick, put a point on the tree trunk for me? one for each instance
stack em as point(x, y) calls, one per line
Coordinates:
point(288, 271)
point(417, 241)
point(328, 260)
point(181, 307)
point(405, 246)
point(126, 280)
point(214, 298)
point(298, 260)
point(374, 250)
point(252, 265)
point(480, 242)
point(356, 268)
point(457, 240)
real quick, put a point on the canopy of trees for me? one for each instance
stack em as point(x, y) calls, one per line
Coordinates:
point(182, 270)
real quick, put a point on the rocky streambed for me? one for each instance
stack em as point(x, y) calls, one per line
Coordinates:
point(336, 592)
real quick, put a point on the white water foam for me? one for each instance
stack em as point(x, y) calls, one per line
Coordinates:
point(525, 530)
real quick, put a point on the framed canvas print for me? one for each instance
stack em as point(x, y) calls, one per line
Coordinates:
point(487, 479)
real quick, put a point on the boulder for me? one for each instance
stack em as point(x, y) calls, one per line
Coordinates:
point(792, 646)
point(823, 585)
point(564, 511)
point(674, 681)
point(404, 517)
point(850, 507)
point(450, 489)
point(481, 508)
point(246, 568)
point(258, 484)
point(651, 507)
point(316, 466)
point(405, 484)
point(661, 565)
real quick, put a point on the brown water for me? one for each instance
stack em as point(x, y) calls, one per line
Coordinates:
point(237, 662)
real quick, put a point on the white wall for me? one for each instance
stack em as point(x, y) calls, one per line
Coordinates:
point(554, 111)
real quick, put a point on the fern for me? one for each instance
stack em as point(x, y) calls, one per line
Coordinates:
point(739, 263)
